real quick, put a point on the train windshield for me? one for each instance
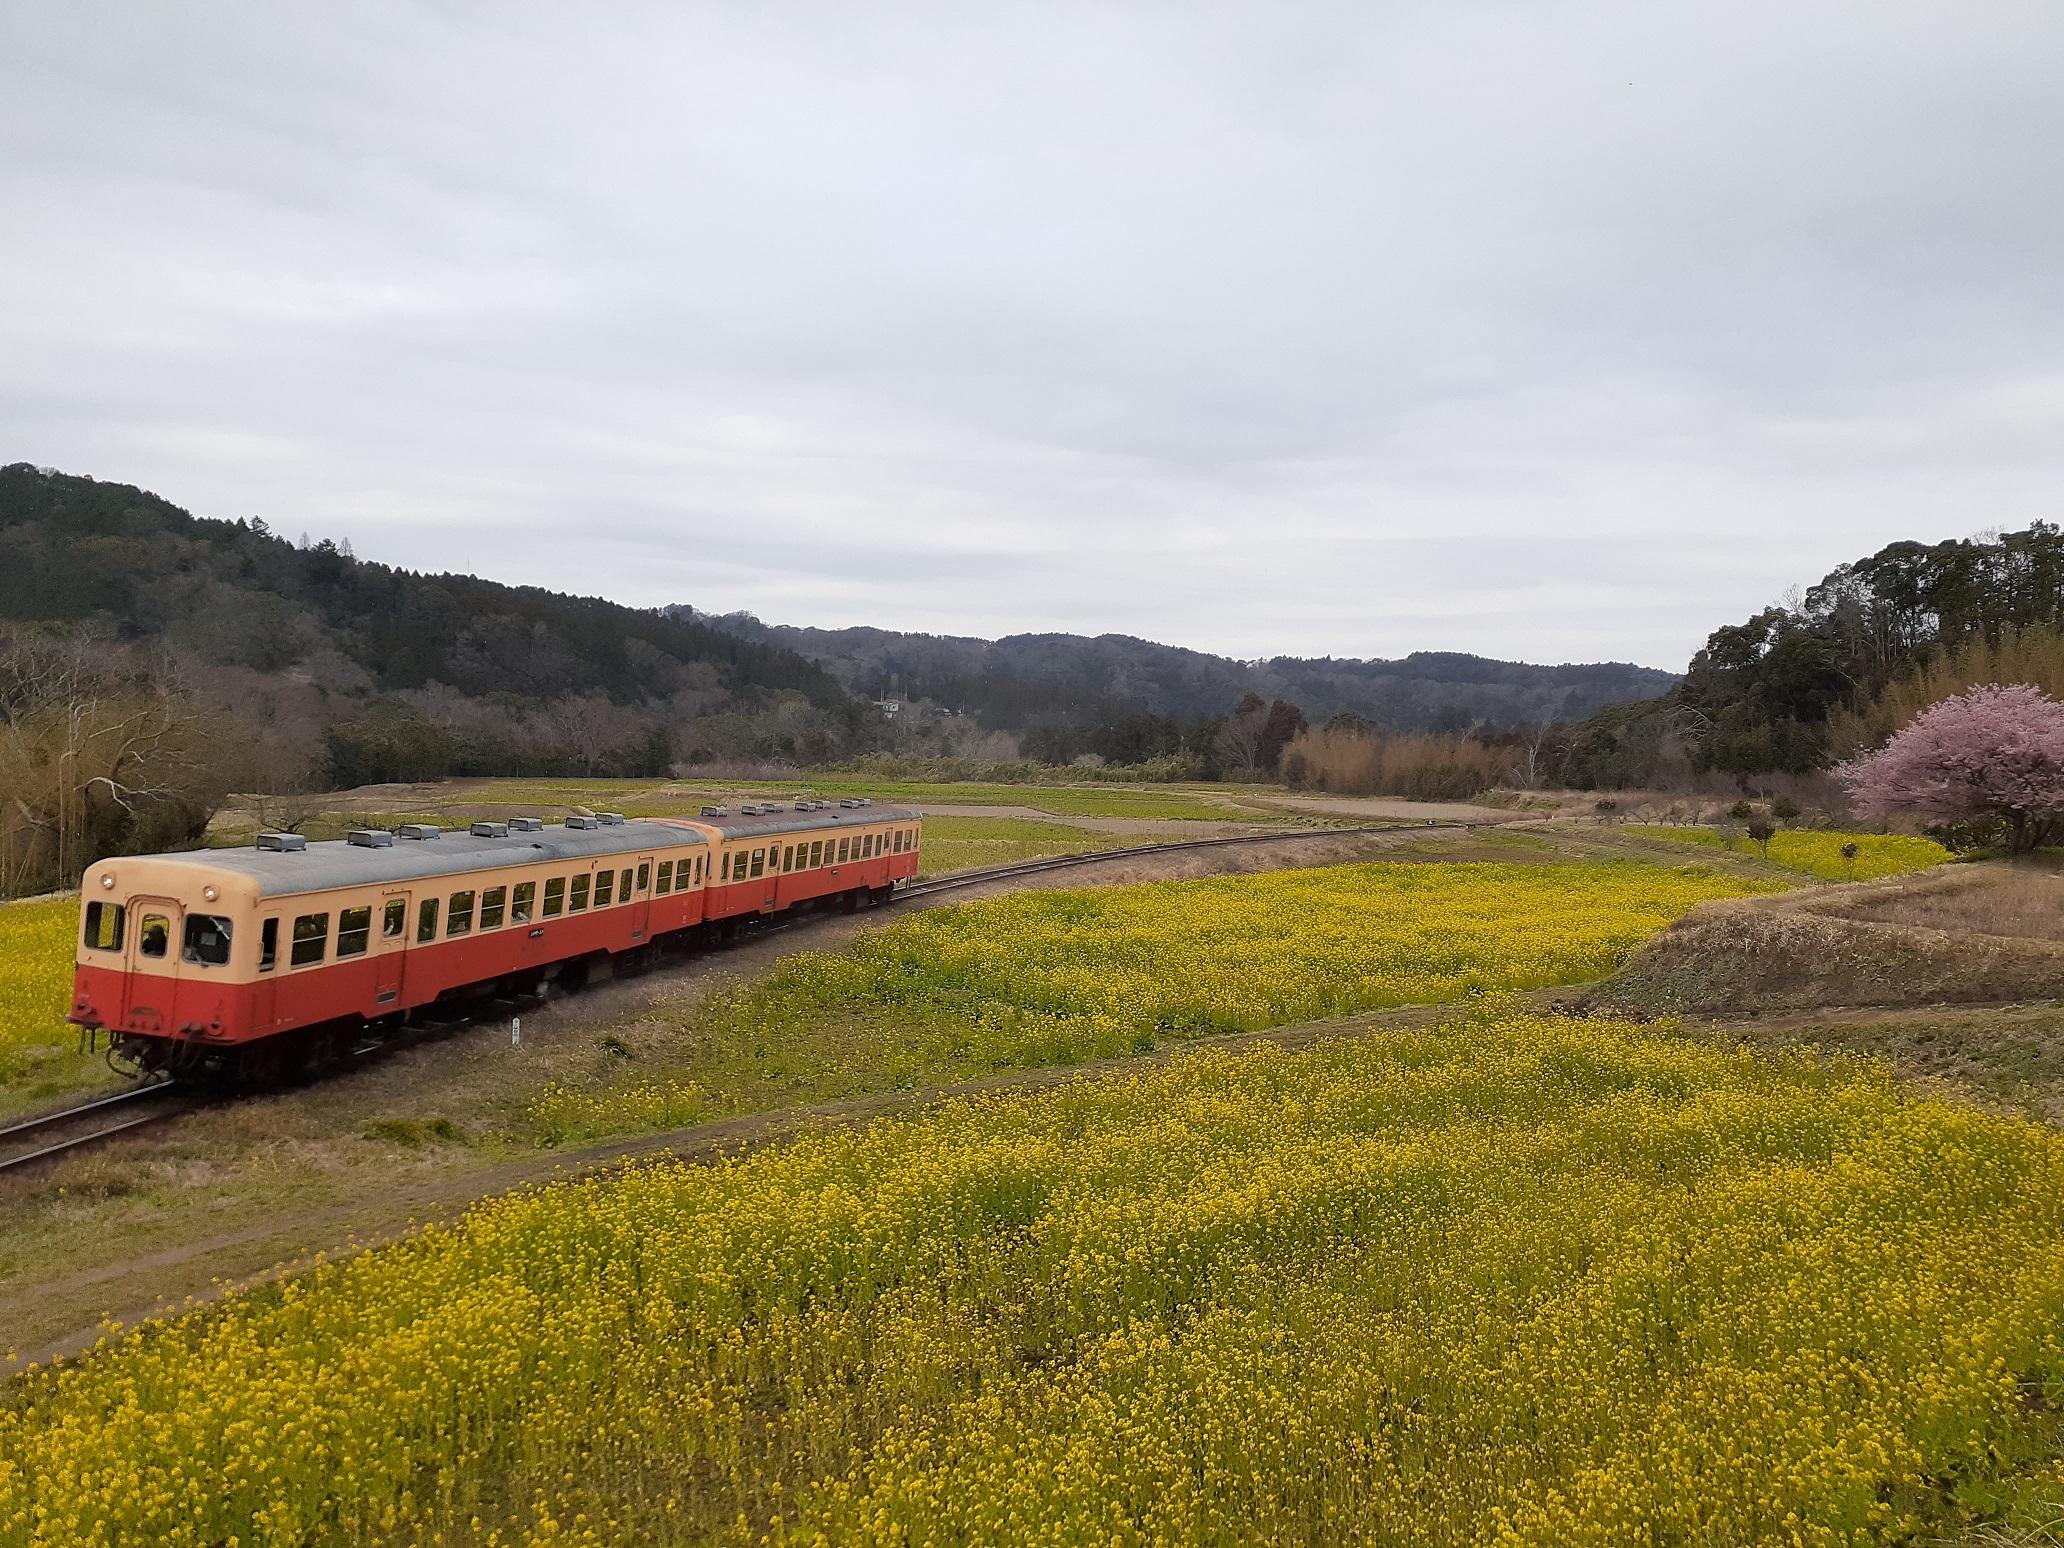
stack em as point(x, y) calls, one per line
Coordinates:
point(207, 940)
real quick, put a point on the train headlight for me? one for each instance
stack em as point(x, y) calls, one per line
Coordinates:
point(208, 893)
point(107, 881)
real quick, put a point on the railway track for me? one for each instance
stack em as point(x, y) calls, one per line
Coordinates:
point(50, 1135)
point(925, 889)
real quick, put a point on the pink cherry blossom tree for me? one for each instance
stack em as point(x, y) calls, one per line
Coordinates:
point(1992, 754)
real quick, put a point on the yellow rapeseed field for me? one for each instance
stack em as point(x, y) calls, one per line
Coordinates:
point(1060, 977)
point(36, 983)
point(1818, 852)
point(1513, 1280)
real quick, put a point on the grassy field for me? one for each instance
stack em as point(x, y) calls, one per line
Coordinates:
point(686, 797)
point(1816, 852)
point(1061, 977)
point(1531, 1281)
point(965, 843)
point(39, 1049)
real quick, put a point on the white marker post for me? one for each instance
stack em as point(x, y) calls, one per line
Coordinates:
point(515, 1031)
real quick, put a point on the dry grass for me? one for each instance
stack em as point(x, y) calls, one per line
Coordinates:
point(1970, 935)
point(2023, 902)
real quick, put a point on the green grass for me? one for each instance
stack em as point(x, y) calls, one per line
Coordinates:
point(1816, 852)
point(686, 797)
point(965, 843)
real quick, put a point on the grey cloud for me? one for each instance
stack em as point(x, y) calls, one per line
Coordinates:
point(1552, 331)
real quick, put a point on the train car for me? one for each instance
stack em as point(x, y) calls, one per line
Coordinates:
point(252, 962)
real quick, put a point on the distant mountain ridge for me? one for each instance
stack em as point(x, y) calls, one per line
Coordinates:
point(362, 672)
point(1024, 679)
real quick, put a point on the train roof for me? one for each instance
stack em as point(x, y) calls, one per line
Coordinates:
point(740, 826)
point(335, 863)
point(338, 863)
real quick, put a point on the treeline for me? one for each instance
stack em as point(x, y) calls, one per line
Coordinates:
point(1795, 687)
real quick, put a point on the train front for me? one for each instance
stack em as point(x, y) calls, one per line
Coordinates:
point(167, 960)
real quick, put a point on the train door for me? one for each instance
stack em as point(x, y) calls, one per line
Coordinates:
point(641, 898)
point(156, 927)
point(390, 963)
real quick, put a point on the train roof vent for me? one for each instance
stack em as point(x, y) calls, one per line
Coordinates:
point(865, 801)
point(419, 830)
point(582, 822)
point(490, 830)
point(525, 825)
point(370, 838)
point(749, 809)
point(610, 819)
point(849, 802)
point(716, 811)
point(284, 843)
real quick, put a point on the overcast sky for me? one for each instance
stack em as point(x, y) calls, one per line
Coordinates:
point(1550, 331)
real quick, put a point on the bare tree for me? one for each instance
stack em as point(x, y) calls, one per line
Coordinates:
point(97, 748)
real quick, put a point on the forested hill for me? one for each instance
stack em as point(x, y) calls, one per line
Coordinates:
point(421, 674)
point(78, 550)
point(1029, 680)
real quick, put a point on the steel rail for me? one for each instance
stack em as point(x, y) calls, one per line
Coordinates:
point(44, 1123)
point(955, 879)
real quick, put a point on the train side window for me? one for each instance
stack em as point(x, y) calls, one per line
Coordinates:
point(156, 935)
point(311, 939)
point(268, 945)
point(644, 875)
point(426, 920)
point(666, 879)
point(207, 940)
point(520, 901)
point(555, 896)
point(845, 850)
point(623, 885)
point(866, 842)
point(104, 926)
point(354, 931)
point(605, 887)
point(393, 919)
point(491, 902)
point(577, 894)
point(458, 918)
point(702, 867)
point(759, 857)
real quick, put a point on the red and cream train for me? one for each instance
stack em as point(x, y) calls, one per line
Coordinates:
point(250, 962)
